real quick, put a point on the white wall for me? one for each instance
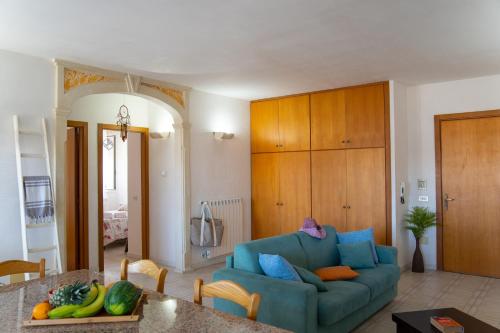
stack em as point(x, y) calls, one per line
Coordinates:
point(399, 170)
point(114, 198)
point(219, 169)
point(26, 89)
point(135, 196)
point(102, 109)
point(425, 101)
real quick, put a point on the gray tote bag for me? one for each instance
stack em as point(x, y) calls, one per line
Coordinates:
point(206, 231)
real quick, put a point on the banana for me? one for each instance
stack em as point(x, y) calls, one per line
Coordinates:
point(63, 311)
point(66, 311)
point(94, 307)
point(91, 296)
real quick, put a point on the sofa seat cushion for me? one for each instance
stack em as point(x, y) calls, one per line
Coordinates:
point(341, 299)
point(320, 252)
point(378, 279)
point(246, 255)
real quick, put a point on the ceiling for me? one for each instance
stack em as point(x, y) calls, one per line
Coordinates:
point(260, 48)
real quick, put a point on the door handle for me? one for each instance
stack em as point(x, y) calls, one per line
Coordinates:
point(447, 199)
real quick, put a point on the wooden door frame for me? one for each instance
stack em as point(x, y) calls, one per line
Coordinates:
point(438, 119)
point(83, 252)
point(144, 188)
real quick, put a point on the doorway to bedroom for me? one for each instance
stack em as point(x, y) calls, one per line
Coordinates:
point(123, 184)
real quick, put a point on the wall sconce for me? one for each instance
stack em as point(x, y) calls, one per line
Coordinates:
point(160, 135)
point(223, 135)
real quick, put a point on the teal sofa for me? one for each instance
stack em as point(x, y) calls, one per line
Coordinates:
point(298, 306)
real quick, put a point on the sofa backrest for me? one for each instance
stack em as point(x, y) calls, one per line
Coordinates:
point(320, 252)
point(246, 255)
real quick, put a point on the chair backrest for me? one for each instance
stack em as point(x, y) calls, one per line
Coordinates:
point(146, 267)
point(11, 267)
point(230, 291)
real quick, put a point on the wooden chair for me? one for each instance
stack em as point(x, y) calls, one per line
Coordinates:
point(146, 267)
point(12, 267)
point(230, 291)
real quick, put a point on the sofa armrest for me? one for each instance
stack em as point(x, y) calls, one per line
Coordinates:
point(229, 261)
point(387, 254)
point(288, 304)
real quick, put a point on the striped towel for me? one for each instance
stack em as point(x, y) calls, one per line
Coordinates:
point(38, 201)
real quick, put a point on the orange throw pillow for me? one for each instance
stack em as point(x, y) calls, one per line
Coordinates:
point(336, 273)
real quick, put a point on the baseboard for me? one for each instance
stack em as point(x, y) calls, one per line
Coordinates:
point(208, 262)
point(134, 256)
point(166, 264)
point(404, 268)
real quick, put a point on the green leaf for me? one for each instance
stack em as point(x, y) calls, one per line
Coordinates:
point(418, 220)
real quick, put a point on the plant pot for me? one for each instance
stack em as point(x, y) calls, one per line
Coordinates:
point(417, 265)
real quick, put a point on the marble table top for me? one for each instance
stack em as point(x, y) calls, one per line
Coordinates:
point(159, 313)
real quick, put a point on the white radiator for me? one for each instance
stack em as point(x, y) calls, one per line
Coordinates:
point(230, 211)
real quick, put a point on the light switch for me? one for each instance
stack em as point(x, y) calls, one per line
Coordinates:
point(423, 198)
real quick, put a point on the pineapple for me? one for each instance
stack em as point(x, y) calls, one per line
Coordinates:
point(69, 294)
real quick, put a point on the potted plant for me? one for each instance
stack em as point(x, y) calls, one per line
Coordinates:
point(418, 220)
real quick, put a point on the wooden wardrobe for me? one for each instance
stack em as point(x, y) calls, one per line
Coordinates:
point(322, 154)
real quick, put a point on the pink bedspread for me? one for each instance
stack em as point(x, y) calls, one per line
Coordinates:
point(115, 229)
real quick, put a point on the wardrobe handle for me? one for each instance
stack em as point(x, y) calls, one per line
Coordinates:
point(343, 141)
point(277, 146)
point(348, 141)
point(348, 207)
point(344, 207)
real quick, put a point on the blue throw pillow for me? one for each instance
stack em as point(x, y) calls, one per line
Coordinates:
point(277, 267)
point(359, 236)
point(356, 255)
point(309, 277)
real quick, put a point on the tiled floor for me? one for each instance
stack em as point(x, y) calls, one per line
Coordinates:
point(177, 284)
point(478, 296)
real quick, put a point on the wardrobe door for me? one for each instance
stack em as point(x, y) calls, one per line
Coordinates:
point(328, 179)
point(328, 120)
point(294, 127)
point(264, 126)
point(365, 116)
point(366, 191)
point(295, 190)
point(265, 195)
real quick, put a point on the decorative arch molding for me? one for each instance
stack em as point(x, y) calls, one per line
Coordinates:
point(74, 81)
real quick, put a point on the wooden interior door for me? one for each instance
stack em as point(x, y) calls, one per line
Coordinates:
point(366, 206)
point(365, 116)
point(295, 189)
point(265, 195)
point(470, 164)
point(76, 176)
point(294, 124)
point(328, 120)
point(72, 235)
point(328, 178)
point(264, 126)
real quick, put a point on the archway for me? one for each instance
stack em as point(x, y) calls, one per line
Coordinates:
point(74, 81)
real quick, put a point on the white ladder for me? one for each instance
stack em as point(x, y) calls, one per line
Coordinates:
point(41, 229)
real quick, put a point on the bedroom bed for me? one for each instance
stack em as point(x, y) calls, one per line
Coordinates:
point(115, 226)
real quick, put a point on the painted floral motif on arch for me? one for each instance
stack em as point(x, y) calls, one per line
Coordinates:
point(177, 95)
point(74, 78)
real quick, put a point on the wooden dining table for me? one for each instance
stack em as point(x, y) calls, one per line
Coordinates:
point(158, 313)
